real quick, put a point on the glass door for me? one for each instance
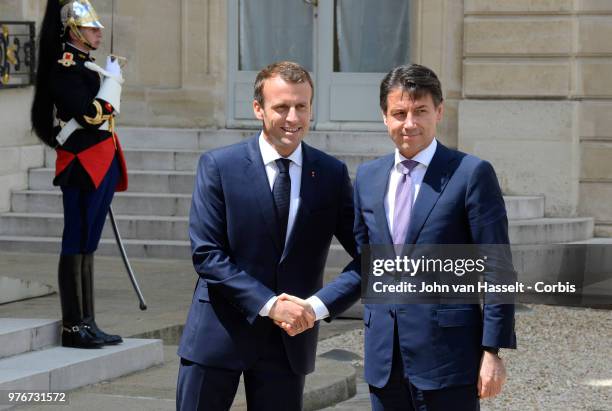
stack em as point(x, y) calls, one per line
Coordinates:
point(361, 41)
point(261, 32)
point(347, 45)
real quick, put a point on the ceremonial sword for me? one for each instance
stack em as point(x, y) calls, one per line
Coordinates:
point(124, 257)
point(141, 300)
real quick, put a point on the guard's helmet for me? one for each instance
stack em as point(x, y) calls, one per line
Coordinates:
point(79, 13)
point(61, 16)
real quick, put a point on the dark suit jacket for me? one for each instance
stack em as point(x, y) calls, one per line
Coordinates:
point(241, 261)
point(459, 202)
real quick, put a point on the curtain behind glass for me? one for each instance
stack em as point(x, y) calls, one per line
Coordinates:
point(273, 30)
point(371, 36)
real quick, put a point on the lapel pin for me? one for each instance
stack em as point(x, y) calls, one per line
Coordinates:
point(312, 174)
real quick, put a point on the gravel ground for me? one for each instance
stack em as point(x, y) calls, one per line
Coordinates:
point(564, 360)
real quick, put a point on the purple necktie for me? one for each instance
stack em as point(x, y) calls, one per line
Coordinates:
point(404, 197)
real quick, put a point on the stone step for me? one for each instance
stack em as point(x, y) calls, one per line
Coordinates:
point(176, 204)
point(550, 230)
point(61, 369)
point(533, 231)
point(187, 160)
point(337, 257)
point(150, 159)
point(181, 182)
point(585, 263)
point(524, 207)
point(21, 335)
point(547, 230)
point(17, 289)
point(603, 229)
point(147, 181)
point(536, 231)
point(374, 143)
point(125, 203)
point(130, 227)
point(142, 181)
point(108, 247)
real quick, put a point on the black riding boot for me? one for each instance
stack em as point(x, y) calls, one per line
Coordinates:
point(88, 302)
point(74, 332)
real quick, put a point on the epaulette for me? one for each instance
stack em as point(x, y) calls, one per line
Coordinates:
point(67, 60)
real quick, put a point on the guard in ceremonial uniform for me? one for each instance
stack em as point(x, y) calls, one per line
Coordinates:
point(74, 108)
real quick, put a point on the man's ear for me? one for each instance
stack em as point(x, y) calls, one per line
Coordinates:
point(258, 110)
point(439, 112)
point(384, 116)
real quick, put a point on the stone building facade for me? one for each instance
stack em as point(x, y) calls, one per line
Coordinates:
point(528, 86)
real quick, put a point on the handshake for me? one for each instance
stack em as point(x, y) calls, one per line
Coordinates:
point(292, 314)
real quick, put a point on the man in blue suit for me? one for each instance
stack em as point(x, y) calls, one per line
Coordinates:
point(425, 356)
point(263, 215)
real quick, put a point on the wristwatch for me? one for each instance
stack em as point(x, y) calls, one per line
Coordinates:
point(492, 350)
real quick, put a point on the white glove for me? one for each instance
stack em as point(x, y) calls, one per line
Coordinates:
point(112, 66)
point(94, 67)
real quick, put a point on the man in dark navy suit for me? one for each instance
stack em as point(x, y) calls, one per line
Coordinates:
point(263, 215)
point(436, 357)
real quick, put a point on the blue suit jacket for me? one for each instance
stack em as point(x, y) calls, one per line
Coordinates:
point(241, 262)
point(459, 202)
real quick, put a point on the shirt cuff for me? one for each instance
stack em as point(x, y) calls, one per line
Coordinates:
point(318, 307)
point(265, 310)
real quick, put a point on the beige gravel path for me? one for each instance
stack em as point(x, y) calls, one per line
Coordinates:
point(563, 362)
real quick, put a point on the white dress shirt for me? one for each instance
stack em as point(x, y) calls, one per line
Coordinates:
point(269, 156)
point(424, 158)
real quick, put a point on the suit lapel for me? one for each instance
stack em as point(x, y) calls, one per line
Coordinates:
point(434, 182)
point(379, 186)
point(257, 180)
point(308, 185)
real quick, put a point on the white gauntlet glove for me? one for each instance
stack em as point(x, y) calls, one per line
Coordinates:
point(110, 89)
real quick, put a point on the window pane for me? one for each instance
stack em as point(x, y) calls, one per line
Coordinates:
point(273, 30)
point(371, 36)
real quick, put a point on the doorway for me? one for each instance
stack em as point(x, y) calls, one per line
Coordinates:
point(347, 45)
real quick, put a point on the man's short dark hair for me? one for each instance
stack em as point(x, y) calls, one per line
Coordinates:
point(416, 80)
point(287, 70)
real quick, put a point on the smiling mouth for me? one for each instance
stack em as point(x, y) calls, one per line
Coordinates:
point(291, 130)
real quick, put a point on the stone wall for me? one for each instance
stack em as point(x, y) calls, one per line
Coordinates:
point(176, 70)
point(175, 75)
point(537, 97)
point(19, 148)
point(438, 33)
point(526, 83)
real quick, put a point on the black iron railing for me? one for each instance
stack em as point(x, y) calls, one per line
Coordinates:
point(17, 53)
